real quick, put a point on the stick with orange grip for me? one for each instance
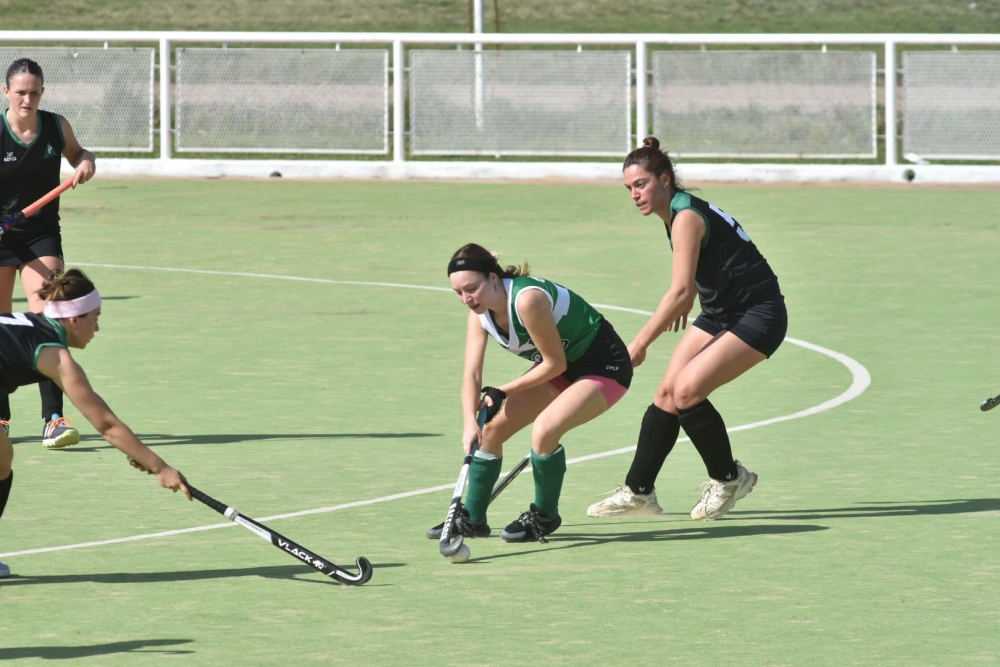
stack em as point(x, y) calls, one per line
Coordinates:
point(37, 206)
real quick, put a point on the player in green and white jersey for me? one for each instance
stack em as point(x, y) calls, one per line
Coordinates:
point(580, 368)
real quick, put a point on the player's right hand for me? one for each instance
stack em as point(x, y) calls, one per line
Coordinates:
point(171, 478)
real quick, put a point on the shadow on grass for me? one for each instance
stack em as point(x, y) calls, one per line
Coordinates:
point(270, 572)
point(864, 510)
point(91, 443)
point(573, 540)
point(93, 650)
point(570, 540)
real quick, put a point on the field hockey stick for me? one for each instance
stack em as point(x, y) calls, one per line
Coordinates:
point(990, 403)
point(34, 208)
point(515, 471)
point(447, 547)
point(288, 546)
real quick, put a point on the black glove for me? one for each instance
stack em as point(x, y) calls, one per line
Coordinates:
point(497, 397)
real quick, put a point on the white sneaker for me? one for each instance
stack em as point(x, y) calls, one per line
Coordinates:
point(623, 502)
point(719, 497)
point(4, 570)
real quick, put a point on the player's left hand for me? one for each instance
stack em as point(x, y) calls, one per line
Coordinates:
point(493, 400)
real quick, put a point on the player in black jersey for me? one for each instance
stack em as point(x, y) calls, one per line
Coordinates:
point(742, 322)
point(35, 347)
point(32, 145)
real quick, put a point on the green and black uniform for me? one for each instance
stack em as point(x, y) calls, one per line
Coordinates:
point(22, 338)
point(28, 172)
point(739, 294)
point(737, 289)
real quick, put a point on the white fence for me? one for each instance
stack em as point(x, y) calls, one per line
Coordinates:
point(188, 103)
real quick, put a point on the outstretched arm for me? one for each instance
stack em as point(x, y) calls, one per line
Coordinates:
point(58, 364)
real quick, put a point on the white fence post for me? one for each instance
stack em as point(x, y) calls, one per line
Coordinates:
point(398, 102)
point(890, 103)
point(166, 136)
point(641, 93)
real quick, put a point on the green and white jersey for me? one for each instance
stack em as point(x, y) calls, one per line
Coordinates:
point(576, 320)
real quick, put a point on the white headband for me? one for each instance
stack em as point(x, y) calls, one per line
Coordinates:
point(73, 307)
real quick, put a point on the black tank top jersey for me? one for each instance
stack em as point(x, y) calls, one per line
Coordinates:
point(29, 171)
point(22, 336)
point(731, 272)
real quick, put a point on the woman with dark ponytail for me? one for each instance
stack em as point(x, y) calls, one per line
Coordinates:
point(35, 347)
point(33, 143)
point(742, 322)
point(580, 369)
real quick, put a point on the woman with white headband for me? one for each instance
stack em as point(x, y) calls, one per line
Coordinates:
point(35, 347)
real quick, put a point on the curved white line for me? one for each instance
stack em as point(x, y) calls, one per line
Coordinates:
point(861, 379)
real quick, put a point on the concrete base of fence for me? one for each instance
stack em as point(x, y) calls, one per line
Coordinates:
point(483, 170)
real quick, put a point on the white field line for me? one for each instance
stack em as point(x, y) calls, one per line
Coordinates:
point(861, 379)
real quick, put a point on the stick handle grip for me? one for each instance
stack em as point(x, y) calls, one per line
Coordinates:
point(206, 499)
point(35, 207)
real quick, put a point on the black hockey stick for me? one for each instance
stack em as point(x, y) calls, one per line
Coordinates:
point(297, 550)
point(990, 403)
point(447, 547)
point(514, 472)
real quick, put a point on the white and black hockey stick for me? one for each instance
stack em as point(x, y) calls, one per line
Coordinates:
point(297, 550)
point(447, 547)
point(990, 403)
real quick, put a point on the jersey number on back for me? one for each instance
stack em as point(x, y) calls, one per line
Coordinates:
point(16, 319)
point(732, 222)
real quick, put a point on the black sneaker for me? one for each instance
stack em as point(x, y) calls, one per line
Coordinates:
point(531, 525)
point(463, 527)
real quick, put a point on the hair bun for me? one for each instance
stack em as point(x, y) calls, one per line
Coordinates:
point(651, 142)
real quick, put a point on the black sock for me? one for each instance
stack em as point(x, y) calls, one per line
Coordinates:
point(52, 399)
point(707, 431)
point(657, 437)
point(5, 490)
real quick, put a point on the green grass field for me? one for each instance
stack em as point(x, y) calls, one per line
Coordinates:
point(293, 346)
point(523, 16)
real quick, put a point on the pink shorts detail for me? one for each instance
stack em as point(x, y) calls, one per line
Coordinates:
point(612, 391)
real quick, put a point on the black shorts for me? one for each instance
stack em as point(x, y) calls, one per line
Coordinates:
point(16, 250)
point(761, 326)
point(606, 357)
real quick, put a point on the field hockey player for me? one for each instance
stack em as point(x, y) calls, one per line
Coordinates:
point(580, 369)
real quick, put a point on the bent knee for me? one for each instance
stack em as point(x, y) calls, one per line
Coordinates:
point(664, 398)
point(686, 395)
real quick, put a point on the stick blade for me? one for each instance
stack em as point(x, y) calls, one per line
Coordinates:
point(450, 548)
point(365, 571)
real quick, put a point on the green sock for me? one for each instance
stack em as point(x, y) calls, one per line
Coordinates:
point(483, 474)
point(548, 472)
